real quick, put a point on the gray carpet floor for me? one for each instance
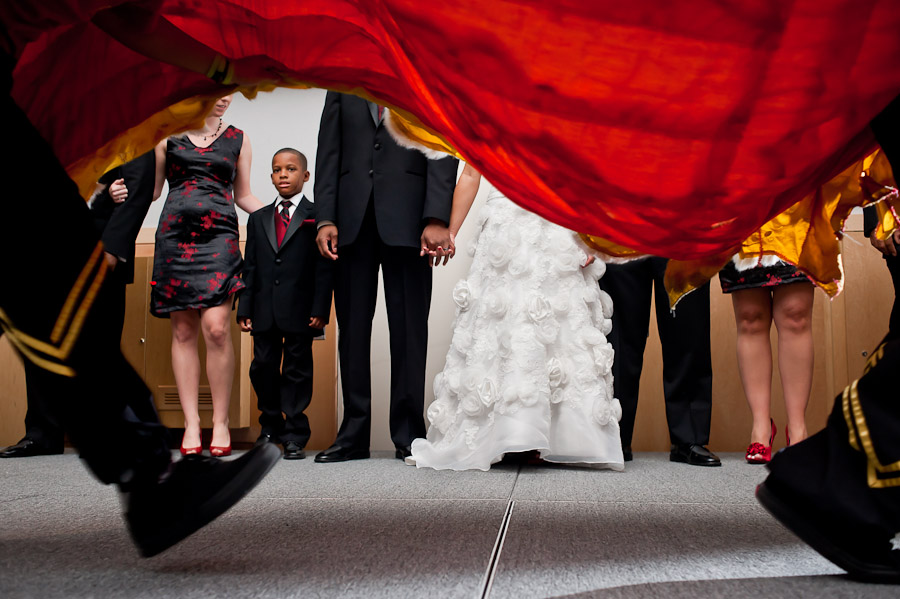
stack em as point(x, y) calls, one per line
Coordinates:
point(377, 528)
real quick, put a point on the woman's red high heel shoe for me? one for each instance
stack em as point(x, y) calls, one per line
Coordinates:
point(220, 452)
point(191, 450)
point(758, 453)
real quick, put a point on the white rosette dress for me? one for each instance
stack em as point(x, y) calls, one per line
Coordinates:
point(529, 366)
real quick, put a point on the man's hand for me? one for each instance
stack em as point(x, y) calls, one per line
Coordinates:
point(317, 322)
point(118, 191)
point(246, 324)
point(327, 239)
point(111, 260)
point(888, 247)
point(436, 242)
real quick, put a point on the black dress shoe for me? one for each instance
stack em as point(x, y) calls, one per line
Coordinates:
point(266, 438)
point(403, 452)
point(336, 453)
point(293, 451)
point(27, 448)
point(194, 492)
point(627, 454)
point(695, 455)
point(864, 556)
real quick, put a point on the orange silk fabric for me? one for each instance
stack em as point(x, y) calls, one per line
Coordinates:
point(672, 128)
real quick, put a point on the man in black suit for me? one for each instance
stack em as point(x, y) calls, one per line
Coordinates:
point(118, 223)
point(119, 211)
point(286, 304)
point(387, 202)
point(687, 364)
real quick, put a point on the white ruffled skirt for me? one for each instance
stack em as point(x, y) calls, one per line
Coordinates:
point(529, 366)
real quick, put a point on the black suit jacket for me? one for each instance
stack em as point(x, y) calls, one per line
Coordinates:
point(119, 224)
point(286, 285)
point(358, 158)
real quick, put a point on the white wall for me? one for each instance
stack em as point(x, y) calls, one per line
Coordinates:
point(289, 117)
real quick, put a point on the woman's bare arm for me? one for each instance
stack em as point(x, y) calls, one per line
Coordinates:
point(243, 197)
point(464, 197)
point(160, 178)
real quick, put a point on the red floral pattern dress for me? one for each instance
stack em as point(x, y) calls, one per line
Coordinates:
point(780, 273)
point(197, 262)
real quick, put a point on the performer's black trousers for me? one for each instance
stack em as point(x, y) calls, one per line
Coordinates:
point(831, 478)
point(283, 386)
point(38, 427)
point(47, 238)
point(825, 473)
point(407, 291)
point(684, 335)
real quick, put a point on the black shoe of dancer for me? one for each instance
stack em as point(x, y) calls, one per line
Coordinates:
point(195, 491)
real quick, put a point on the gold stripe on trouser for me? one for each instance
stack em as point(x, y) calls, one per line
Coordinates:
point(51, 355)
point(880, 476)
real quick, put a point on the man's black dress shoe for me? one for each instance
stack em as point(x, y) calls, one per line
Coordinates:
point(27, 448)
point(336, 453)
point(403, 452)
point(847, 546)
point(695, 455)
point(266, 438)
point(194, 492)
point(293, 451)
point(627, 454)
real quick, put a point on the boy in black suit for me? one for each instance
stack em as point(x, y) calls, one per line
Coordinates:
point(286, 304)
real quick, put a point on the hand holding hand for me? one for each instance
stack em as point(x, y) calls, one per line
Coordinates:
point(436, 242)
point(317, 322)
point(327, 240)
point(888, 246)
point(246, 324)
point(118, 191)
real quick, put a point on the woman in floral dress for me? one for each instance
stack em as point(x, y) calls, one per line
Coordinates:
point(197, 262)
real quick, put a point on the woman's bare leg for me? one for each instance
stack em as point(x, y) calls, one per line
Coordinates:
point(216, 326)
point(186, 366)
point(753, 316)
point(792, 312)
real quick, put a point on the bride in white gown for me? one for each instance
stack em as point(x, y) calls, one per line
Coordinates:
point(529, 367)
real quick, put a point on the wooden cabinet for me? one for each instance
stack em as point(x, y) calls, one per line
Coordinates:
point(146, 343)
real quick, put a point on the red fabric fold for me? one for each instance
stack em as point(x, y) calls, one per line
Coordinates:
point(673, 128)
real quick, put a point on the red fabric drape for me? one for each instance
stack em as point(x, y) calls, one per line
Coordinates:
point(675, 128)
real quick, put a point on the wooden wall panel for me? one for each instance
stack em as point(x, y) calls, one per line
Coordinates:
point(12, 395)
point(868, 295)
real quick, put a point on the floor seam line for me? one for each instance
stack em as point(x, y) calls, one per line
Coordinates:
point(494, 560)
